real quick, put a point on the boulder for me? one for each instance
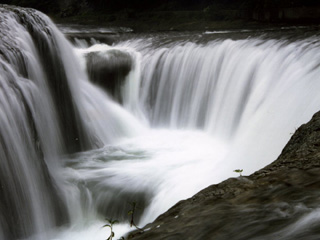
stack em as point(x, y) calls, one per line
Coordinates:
point(109, 69)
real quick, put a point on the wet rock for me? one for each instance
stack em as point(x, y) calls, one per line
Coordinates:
point(109, 69)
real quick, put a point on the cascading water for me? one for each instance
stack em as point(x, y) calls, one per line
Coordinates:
point(189, 114)
point(225, 104)
point(246, 93)
point(43, 117)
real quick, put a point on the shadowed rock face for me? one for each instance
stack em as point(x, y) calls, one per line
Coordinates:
point(278, 202)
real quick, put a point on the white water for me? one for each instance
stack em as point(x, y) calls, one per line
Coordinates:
point(32, 140)
point(213, 108)
point(192, 113)
point(245, 93)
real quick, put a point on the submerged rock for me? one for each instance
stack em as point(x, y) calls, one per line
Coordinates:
point(279, 201)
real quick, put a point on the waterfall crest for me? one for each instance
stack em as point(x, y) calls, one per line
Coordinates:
point(247, 93)
point(220, 85)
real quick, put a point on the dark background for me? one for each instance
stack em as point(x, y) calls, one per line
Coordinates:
point(168, 13)
point(54, 6)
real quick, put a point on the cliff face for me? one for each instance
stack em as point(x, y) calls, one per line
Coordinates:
point(278, 202)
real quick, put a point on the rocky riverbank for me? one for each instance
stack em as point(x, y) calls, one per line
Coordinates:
point(281, 201)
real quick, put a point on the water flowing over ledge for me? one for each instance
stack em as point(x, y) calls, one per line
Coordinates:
point(184, 116)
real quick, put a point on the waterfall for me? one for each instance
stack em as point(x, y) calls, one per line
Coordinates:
point(47, 110)
point(248, 95)
point(85, 131)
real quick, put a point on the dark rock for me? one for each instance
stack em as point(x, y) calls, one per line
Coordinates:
point(108, 69)
point(265, 205)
